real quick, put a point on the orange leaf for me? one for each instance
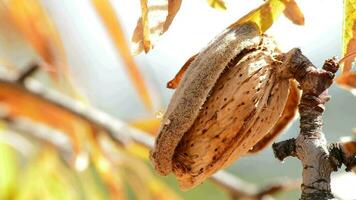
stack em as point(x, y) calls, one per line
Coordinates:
point(347, 80)
point(293, 12)
point(30, 20)
point(113, 26)
point(19, 102)
point(155, 19)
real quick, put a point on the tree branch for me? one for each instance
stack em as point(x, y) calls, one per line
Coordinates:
point(310, 147)
point(123, 134)
point(28, 72)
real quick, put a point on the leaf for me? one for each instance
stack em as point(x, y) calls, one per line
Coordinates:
point(155, 20)
point(217, 4)
point(293, 12)
point(347, 81)
point(46, 177)
point(267, 13)
point(172, 84)
point(30, 22)
point(113, 26)
point(20, 103)
point(349, 33)
point(9, 169)
point(148, 125)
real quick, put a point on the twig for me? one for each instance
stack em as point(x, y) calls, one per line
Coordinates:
point(234, 186)
point(310, 147)
point(40, 131)
point(29, 71)
point(122, 133)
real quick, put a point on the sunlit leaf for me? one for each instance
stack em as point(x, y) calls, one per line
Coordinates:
point(9, 167)
point(155, 19)
point(267, 13)
point(46, 177)
point(19, 102)
point(347, 81)
point(293, 12)
point(144, 184)
point(105, 169)
point(28, 19)
point(139, 177)
point(139, 151)
point(113, 26)
point(349, 33)
point(217, 4)
point(33, 22)
point(149, 125)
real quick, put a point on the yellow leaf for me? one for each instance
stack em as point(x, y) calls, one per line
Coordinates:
point(113, 26)
point(217, 4)
point(267, 13)
point(293, 12)
point(155, 19)
point(349, 33)
point(263, 16)
point(9, 169)
point(149, 125)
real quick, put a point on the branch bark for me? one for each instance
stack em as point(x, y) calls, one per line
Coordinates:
point(310, 147)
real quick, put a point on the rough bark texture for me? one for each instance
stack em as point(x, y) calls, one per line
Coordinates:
point(310, 147)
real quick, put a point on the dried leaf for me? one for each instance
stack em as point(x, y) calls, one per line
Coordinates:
point(173, 8)
point(19, 102)
point(267, 13)
point(349, 32)
point(217, 4)
point(293, 12)
point(113, 26)
point(30, 20)
point(172, 84)
point(155, 20)
point(347, 81)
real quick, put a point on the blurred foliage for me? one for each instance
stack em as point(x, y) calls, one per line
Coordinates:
point(97, 167)
point(217, 4)
point(113, 26)
point(347, 80)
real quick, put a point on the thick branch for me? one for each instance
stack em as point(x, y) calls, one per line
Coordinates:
point(310, 146)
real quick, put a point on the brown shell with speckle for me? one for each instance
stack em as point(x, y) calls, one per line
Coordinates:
point(230, 99)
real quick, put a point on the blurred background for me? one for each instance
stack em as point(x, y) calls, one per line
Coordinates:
point(95, 72)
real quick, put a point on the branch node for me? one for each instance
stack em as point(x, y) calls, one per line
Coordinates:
point(284, 149)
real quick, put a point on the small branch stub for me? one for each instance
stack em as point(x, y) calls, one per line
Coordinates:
point(310, 147)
